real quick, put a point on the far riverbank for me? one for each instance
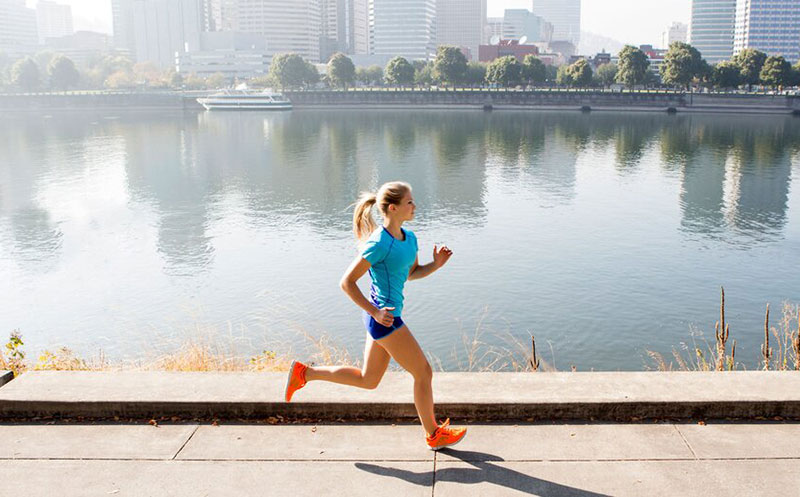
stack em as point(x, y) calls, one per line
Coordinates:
point(466, 99)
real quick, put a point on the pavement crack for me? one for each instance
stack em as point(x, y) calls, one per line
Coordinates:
point(433, 474)
point(685, 441)
point(186, 442)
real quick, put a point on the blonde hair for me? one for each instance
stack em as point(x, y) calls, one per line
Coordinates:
point(388, 194)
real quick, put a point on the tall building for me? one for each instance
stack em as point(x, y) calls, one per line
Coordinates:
point(772, 26)
point(53, 20)
point(221, 15)
point(403, 27)
point(564, 15)
point(494, 27)
point(122, 21)
point(164, 27)
point(17, 28)
point(289, 26)
point(232, 54)
point(461, 23)
point(677, 32)
point(711, 29)
point(345, 27)
point(522, 22)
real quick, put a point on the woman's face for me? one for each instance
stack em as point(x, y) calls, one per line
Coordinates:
point(404, 211)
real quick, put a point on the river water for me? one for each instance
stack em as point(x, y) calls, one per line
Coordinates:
point(604, 235)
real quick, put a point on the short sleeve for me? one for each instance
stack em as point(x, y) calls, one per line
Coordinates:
point(373, 252)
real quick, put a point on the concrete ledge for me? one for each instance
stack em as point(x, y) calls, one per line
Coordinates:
point(5, 377)
point(542, 396)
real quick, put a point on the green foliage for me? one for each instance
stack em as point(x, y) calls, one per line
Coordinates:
point(632, 67)
point(175, 79)
point(310, 75)
point(399, 72)
point(372, 75)
point(533, 70)
point(62, 72)
point(776, 72)
point(794, 77)
point(216, 80)
point(25, 74)
point(504, 71)
point(682, 64)
point(750, 62)
point(564, 76)
point(423, 74)
point(551, 72)
point(606, 74)
point(341, 71)
point(450, 65)
point(581, 73)
point(476, 74)
point(288, 70)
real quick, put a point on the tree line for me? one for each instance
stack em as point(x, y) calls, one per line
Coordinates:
point(683, 67)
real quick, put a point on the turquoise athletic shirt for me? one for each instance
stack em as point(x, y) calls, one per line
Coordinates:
point(391, 260)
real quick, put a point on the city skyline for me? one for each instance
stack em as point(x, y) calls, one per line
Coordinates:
point(622, 20)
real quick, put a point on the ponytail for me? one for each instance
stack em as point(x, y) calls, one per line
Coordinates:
point(363, 224)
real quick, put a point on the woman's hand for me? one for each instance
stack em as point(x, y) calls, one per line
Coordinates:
point(441, 255)
point(383, 317)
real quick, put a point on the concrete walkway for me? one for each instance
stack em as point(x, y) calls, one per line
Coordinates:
point(608, 396)
point(662, 459)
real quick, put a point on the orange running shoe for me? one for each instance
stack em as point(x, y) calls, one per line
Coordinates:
point(445, 436)
point(296, 379)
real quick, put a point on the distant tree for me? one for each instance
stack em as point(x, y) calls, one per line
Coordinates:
point(423, 74)
point(533, 70)
point(450, 65)
point(581, 73)
point(551, 72)
point(795, 76)
point(726, 74)
point(399, 72)
point(175, 79)
point(375, 75)
point(606, 74)
point(62, 72)
point(341, 71)
point(288, 70)
point(476, 74)
point(504, 71)
point(632, 67)
point(750, 62)
point(682, 64)
point(776, 72)
point(125, 79)
point(25, 74)
point(216, 80)
point(362, 75)
point(564, 76)
point(311, 75)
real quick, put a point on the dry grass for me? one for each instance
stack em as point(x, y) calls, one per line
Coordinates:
point(714, 357)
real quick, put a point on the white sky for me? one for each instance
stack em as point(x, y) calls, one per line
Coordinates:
point(628, 21)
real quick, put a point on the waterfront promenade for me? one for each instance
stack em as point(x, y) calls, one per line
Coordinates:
point(231, 434)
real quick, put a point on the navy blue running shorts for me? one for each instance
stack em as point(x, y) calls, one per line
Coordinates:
point(378, 331)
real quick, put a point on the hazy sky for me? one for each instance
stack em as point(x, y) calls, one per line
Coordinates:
point(628, 21)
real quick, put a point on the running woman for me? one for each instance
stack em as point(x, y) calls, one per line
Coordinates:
point(389, 254)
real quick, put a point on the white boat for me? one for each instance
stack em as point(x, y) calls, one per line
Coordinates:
point(245, 100)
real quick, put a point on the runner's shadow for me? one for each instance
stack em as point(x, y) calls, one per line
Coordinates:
point(483, 471)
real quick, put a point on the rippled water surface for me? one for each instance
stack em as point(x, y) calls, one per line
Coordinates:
point(604, 235)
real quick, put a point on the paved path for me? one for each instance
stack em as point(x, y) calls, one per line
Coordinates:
point(354, 460)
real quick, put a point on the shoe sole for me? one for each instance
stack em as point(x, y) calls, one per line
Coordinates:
point(288, 382)
point(447, 446)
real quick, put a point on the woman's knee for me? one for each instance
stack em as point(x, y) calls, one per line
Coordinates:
point(423, 373)
point(371, 382)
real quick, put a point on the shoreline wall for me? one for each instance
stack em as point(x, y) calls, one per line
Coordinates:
point(436, 99)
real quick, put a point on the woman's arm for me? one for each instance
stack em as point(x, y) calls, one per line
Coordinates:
point(440, 256)
point(357, 268)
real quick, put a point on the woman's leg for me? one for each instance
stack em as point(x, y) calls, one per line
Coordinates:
point(376, 360)
point(404, 348)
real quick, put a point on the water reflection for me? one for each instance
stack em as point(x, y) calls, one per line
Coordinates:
point(214, 194)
